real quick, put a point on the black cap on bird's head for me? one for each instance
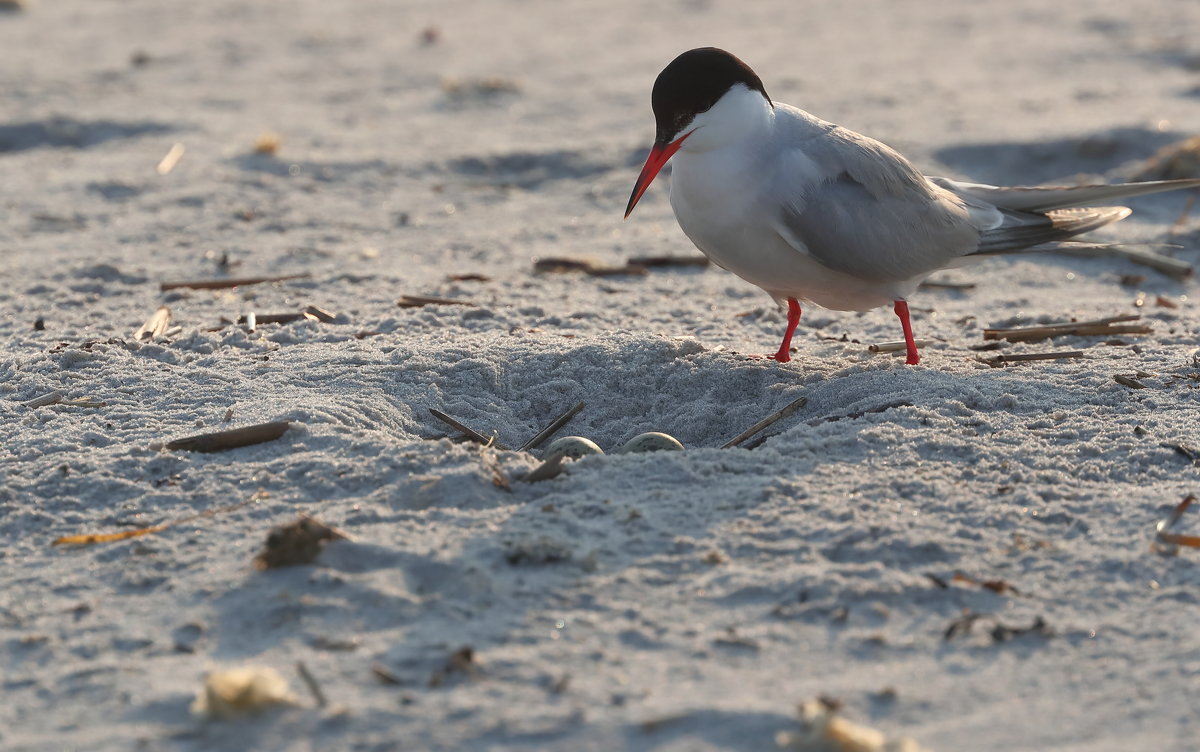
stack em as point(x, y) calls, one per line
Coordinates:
point(690, 85)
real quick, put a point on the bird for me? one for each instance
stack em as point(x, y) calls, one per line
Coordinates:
point(811, 211)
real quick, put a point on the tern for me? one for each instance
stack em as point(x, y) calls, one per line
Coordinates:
point(810, 211)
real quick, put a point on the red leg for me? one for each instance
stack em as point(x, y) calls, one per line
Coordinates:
point(901, 309)
point(785, 349)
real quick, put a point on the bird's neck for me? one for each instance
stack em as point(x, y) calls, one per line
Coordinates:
point(740, 116)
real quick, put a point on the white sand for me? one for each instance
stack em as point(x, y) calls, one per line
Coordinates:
point(684, 601)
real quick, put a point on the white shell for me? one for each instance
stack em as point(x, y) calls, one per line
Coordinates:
point(572, 447)
point(651, 442)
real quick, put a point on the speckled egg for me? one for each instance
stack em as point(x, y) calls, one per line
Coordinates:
point(572, 447)
point(651, 442)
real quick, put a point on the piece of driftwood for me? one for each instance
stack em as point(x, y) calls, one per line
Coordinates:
point(551, 468)
point(320, 314)
point(1097, 327)
point(53, 398)
point(416, 301)
point(226, 283)
point(549, 430)
point(232, 439)
point(895, 346)
point(774, 417)
point(1000, 360)
point(155, 326)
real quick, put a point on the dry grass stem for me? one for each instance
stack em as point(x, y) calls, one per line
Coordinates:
point(416, 301)
point(310, 681)
point(79, 540)
point(774, 417)
point(1176, 539)
point(549, 430)
point(470, 433)
point(224, 284)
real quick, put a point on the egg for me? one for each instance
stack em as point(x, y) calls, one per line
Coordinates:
point(572, 447)
point(651, 442)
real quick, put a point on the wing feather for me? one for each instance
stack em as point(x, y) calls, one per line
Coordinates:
point(870, 214)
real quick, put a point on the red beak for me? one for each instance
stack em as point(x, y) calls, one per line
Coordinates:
point(659, 154)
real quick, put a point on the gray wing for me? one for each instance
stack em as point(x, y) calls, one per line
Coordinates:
point(860, 208)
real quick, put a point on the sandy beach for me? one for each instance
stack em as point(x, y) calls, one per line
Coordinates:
point(962, 553)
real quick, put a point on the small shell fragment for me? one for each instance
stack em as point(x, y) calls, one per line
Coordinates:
point(247, 690)
point(652, 441)
point(572, 447)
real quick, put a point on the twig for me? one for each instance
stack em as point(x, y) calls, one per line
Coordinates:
point(653, 261)
point(416, 301)
point(554, 264)
point(274, 318)
point(471, 433)
point(942, 284)
point(1183, 216)
point(859, 414)
point(1078, 328)
point(172, 157)
point(155, 326)
point(385, 675)
point(895, 346)
point(549, 430)
point(1000, 360)
point(238, 437)
point(1172, 267)
point(311, 682)
point(223, 284)
point(1185, 451)
point(778, 415)
point(1177, 539)
point(53, 398)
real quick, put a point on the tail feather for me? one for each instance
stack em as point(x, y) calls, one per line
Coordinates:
point(1024, 231)
point(1043, 199)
